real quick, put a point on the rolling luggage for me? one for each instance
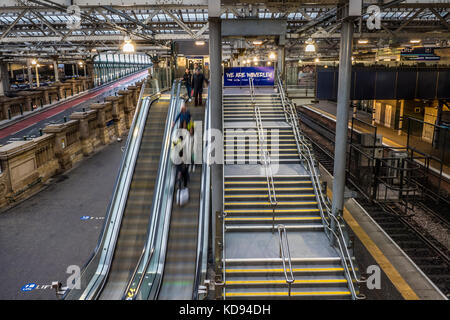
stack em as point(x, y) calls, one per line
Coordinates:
point(182, 196)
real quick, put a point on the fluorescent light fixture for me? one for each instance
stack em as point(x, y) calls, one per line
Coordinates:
point(310, 48)
point(80, 63)
point(363, 41)
point(316, 60)
point(128, 47)
point(272, 56)
point(299, 60)
point(415, 41)
point(257, 42)
point(33, 62)
point(255, 59)
point(269, 63)
point(200, 43)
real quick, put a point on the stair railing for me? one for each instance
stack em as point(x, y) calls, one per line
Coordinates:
point(265, 156)
point(326, 215)
point(285, 252)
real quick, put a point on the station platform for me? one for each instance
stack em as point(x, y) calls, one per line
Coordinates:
point(30, 123)
point(401, 278)
point(57, 227)
point(391, 138)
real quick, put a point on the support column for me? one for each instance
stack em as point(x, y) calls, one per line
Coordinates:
point(4, 78)
point(215, 56)
point(56, 70)
point(30, 75)
point(340, 150)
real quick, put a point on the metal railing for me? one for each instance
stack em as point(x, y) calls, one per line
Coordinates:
point(284, 246)
point(96, 270)
point(201, 264)
point(149, 268)
point(264, 154)
point(328, 219)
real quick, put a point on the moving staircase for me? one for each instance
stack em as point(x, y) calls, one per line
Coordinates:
point(136, 216)
point(276, 237)
point(180, 260)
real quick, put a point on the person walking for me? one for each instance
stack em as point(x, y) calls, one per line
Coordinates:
point(187, 79)
point(197, 83)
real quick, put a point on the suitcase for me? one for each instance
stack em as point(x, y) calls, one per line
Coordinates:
point(182, 196)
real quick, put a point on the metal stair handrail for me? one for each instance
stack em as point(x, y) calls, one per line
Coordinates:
point(292, 119)
point(264, 153)
point(284, 246)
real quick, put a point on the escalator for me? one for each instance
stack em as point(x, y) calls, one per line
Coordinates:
point(135, 218)
point(129, 213)
point(173, 263)
point(178, 279)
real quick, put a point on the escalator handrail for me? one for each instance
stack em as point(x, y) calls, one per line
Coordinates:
point(161, 180)
point(204, 210)
point(106, 239)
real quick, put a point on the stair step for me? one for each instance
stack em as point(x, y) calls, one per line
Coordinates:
point(268, 227)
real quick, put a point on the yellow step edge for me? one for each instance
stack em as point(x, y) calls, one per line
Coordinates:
point(257, 144)
point(265, 189)
point(265, 195)
point(269, 210)
point(265, 182)
point(307, 293)
point(268, 203)
point(245, 151)
point(282, 270)
point(255, 135)
point(284, 281)
point(270, 218)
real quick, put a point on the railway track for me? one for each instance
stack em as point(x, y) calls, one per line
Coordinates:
point(429, 256)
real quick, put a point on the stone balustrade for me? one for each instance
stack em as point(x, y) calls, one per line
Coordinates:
point(26, 165)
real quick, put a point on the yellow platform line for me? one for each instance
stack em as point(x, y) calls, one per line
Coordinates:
point(265, 182)
point(265, 189)
point(265, 195)
point(269, 210)
point(268, 203)
point(307, 293)
point(399, 282)
point(282, 270)
point(270, 218)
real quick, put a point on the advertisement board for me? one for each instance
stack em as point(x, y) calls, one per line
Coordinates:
point(239, 76)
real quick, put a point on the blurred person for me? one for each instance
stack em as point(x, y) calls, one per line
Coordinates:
point(187, 79)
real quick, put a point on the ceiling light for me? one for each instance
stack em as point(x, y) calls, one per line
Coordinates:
point(415, 41)
point(316, 60)
point(33, 62)
point(310, 48)
point(272, 56)
point(363, 41)
point(269, 63)
point(200, 43)
point(255, 59)
point(257, 42)
point(128, 47)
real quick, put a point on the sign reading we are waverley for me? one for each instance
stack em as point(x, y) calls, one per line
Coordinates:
point(239, 76)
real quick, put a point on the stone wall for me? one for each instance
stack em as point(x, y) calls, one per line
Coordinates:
point(27, 165)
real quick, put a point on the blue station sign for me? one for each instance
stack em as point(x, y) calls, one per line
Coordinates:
point(239, 76)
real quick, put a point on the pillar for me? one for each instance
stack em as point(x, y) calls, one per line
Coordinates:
point(55, 70)
point(215, 87)
point(340, 150)
point(4, 78)
point(30, 75)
